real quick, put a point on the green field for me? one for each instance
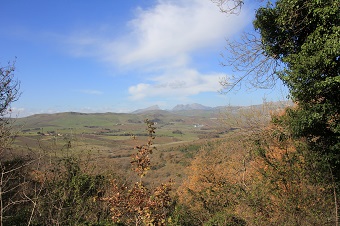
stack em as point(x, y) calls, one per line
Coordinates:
point(110, 138)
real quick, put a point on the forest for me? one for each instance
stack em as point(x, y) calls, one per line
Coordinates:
point(262, 166)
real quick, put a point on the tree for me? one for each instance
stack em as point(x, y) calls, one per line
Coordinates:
point(289, 188)
point(69, 193)
point(210, 190)
point(9, 93)
point(9, 89)
point(12, 169)
point(298, 42)
point(305, 37)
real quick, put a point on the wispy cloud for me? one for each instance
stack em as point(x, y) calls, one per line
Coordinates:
point(179, 83)
point(168, 32)
point(162, 41)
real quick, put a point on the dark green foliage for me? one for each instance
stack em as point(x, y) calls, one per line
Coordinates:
point(293, 185)
point(305, 36)
point(177, 131)
point(71, 196)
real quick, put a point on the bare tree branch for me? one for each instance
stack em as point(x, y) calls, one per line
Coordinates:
point(250, 63)
point(229, 6)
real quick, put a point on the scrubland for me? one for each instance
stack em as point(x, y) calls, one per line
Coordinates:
point(250, 172)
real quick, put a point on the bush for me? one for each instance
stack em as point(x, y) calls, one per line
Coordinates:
point(177, 132)
point(70, 196)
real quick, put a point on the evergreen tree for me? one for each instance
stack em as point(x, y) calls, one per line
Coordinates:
point(305, 36)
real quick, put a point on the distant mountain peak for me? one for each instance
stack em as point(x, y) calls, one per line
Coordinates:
point(151, 108)
point(186, 107)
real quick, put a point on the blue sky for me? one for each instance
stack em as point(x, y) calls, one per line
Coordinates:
point(121, 55)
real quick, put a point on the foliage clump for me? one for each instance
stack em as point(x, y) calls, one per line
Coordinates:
point(305, 37)
point(264, 178)
point(68, 195)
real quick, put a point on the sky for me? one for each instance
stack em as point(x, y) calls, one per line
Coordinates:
point(121, 55)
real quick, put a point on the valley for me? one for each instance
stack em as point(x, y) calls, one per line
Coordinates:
point(107, 140)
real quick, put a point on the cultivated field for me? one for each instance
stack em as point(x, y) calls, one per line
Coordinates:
point(108, 139)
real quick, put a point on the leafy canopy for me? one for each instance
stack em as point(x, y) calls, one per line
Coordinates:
point(305, 36)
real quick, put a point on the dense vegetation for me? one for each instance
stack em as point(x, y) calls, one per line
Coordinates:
point(305, 36)
point(280, 167)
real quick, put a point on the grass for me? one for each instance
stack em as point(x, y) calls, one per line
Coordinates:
point(106, 139)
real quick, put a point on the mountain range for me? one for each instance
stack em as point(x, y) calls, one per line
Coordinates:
point(178, 107)
point(195, 107)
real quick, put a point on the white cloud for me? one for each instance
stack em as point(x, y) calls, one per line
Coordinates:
point(162, 41)
point(173, 30)
point(139, 91)
point(19, 112)
point(164, 34)
point(181, 83)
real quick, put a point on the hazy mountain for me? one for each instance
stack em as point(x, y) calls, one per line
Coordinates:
point(152, 108)
point(180, 109)
point(186, 107)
